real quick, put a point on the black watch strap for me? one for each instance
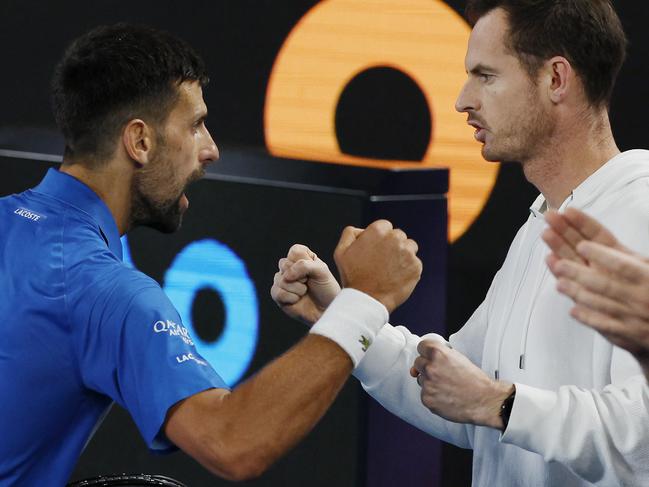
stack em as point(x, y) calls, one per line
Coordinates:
point(506, 408)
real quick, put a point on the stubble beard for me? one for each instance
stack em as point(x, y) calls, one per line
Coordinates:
point(151, 205)
point(524, 138)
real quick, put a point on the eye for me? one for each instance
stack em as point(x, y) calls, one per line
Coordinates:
point(485, 78)
point(197, 126)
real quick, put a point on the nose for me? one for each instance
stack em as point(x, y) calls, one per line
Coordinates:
point(465, 100)
point(210, 152)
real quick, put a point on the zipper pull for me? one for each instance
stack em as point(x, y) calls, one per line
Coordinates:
point(496, 375)
point(521, 362)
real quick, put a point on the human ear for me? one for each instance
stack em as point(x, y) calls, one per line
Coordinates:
point(561, 78)
point(137, 138)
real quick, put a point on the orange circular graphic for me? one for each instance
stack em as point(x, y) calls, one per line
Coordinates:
point(338, 39)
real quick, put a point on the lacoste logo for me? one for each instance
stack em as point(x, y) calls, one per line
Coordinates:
point(28, 214)
point(189, 356)
point(366, 342)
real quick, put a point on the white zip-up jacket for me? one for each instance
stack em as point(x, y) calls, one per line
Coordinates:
point(581, 413)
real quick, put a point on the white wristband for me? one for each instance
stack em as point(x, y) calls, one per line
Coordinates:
point(352, 320)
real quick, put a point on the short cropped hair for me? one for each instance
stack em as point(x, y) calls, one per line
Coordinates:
point(588, 33)
point(113, 74)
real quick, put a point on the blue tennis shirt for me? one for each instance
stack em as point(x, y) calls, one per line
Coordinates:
point(79, 330)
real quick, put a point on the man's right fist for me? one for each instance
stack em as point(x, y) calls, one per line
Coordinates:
point(380, 261)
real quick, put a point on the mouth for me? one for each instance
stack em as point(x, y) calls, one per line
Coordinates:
point(184, 201)
point(480, 135)
point(480, 132)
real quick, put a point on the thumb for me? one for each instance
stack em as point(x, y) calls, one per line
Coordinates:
point(349, 235)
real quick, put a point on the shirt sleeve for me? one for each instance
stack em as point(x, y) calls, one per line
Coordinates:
point(385, 374)
point(136, 350)
point(601, 435)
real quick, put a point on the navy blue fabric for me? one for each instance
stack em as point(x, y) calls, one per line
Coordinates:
point(80, 330)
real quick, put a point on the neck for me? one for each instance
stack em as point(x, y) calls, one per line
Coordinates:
point(110, 184)
point(574, 151)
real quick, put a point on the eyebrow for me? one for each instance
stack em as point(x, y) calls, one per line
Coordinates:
point(481, 68)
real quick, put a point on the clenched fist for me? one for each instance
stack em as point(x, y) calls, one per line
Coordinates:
point(380, 261)
point(455, 388)
point(304, 286)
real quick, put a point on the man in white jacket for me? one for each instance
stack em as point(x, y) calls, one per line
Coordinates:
point(542, 400)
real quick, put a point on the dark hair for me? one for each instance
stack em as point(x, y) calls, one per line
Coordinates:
point(113, 74)
point(588, 33)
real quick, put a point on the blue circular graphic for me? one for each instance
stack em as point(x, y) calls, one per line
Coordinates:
point(211, 264)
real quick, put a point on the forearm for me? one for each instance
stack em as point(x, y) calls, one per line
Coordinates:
point(273, 410)
point(241, 433)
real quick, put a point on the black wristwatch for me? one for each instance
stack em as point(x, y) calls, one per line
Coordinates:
point(506, 408)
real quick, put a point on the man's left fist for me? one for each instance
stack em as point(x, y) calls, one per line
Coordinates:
point(455, 388)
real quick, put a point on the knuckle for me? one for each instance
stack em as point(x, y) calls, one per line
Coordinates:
point(279, 297)
point(297, 249)
point(382, 226)
point(419, 363)
point(300, 266)
point(429, 370)
point(290, 298)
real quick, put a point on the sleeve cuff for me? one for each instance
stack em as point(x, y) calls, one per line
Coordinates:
point(352, 320)
point(379, 359)
point(531, 408)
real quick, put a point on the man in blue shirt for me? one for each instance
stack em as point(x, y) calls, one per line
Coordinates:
point(81, 329)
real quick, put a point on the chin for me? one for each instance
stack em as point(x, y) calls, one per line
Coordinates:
point(490, 156)
point(172, 220)
point(164, 218)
